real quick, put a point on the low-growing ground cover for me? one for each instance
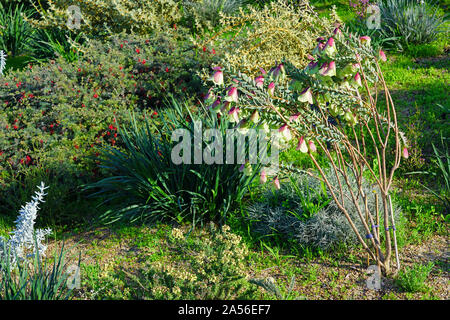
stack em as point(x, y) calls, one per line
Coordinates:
point(58, 119)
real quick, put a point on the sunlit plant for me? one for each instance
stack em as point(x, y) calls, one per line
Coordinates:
point(329, 107)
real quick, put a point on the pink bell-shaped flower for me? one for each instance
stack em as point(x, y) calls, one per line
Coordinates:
point(312, 146)
point(232, 95)
point(263, 176)
point(271, 88)
point(276, 183)
point(405, 153)
point(259, 81)
point(365, 40)
point(382, 55)
point(217, 77)
point(306, 96)
point(234, 114)
point(301, 146)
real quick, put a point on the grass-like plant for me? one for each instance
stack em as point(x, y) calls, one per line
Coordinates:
point(16, 33)
point(410, 22)
point(146, 185)
point(413, 279)
point(34, 280)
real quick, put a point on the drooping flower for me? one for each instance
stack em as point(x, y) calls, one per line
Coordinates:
point(302, 145)
point(312, 146)
point(210, 96)
point(312, 68)
point(232, 95)
point(365, 40)
point(405, 153)
point(271, 88)
point(214, 105)
point(356, 81)
point(263, 176)
point(382, 55)
point(255, 116)
point(217, 78)
point(276, 183)
point(330, 48)
point(294, 117)
point(259, 81)
point(306, 96)
point(328, 70)
point(285, 132)
point(234, 114)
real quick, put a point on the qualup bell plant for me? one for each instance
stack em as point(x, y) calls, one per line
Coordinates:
point(330, 107)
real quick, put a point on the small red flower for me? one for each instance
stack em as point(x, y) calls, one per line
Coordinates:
point(213, 51)
point(77, 147)
point(121, 46)
point(95, 95)
point(15, 127)
point(167, 69)
point(143, 61)
point(138, 51)
point(204, 49)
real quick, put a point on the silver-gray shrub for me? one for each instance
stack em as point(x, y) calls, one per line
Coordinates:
point(24, 239)
point(303, 211)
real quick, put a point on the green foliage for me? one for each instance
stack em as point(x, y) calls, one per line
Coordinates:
point(276, 32)
point(206, 14)
point(303, 211)
point(210, 265)
point(410, 21)
point(102, 17)
point(36, 280)
point(58, 112)
point(147, 185)
point(15, 32)
point(413, 279)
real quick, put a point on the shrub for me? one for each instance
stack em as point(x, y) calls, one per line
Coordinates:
point(410, 22)
point(276, 32)
point(413, 279)
point(206, 13)
point(145, 183)
point(100, 17)
point(330, 107)
point(214, 267)
point(303, 211)
point(58, 112)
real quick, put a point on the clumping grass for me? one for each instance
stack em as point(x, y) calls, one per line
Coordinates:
point(413, 279)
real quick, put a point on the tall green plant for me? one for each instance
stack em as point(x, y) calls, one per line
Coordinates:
point(37, 280)
point(17, 32)
point(410, 22)
point(144, 183)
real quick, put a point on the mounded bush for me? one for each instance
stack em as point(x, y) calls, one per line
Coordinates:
point(303, 211)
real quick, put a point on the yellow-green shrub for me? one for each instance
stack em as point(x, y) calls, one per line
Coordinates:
point(98, 16)
point(259, 37)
